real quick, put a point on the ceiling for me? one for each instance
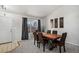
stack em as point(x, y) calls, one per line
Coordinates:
point(32, 10)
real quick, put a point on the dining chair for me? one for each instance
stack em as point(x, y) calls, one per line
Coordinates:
point(42, 40)
point(49, 31)
point(54, 32)
point(35, 37)
point(36, 31)
point(61, 42)
point(51, 46)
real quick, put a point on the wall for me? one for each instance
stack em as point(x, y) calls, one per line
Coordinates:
point(11, 24)
point(5, 26)
point(10, 27)
point(43, 24)
point(71, 21)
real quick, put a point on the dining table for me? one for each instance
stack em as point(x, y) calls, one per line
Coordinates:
point(49, 37)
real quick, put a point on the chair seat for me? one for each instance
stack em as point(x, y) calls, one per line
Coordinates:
point(59, 43)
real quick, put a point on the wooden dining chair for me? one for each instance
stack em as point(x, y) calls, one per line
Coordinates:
point(42, 40)
point(61, 42)
point(35, 37)
point(51, 46)
point(49, 31)
point(54, 32)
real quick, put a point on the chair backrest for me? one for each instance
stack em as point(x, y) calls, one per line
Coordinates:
point(54, 32)
point(35, 35)
point(63, 38)
point(40, 36)
point(49, 31)
point(36, 31)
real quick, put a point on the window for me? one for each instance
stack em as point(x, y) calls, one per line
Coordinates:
point(56, 22)
point(61, 22)
point(51, 21)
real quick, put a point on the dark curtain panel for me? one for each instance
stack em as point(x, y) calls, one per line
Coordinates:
point(39, 25)
point(24, 29)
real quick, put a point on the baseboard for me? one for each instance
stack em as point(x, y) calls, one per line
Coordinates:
point(5, 42)
point(72, 43)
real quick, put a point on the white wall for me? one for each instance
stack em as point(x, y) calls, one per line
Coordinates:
point(71, 21)
point(5, 26)
point(42, 24)
point(11, 24)
point(16, 27)
point(10, 27)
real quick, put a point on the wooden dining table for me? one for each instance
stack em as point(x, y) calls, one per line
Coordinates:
point(50, 37)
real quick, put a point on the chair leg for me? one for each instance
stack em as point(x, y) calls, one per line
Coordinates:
point(55, 46)
point(64, 48)
point(60, 49)
point(39, 44)
point(34, 42)
point(43, 46)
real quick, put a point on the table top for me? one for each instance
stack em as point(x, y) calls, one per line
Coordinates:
point(51, 36)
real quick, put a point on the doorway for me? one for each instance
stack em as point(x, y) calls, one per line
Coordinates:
point(32, 26)
point(29, 25)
